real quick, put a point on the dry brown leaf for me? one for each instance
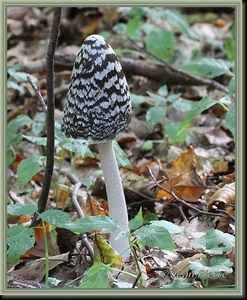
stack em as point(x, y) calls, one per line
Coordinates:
point(39, 250)
point(21, 219)
point(223, 197)
point(218, 137)
point(95, 208)
point(182, 164)
point(188, 186)
point(35, 270)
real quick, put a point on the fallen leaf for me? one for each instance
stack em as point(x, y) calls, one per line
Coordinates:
point(188, 186)
point(103, 252)
point(218, 137)
point(35, 270)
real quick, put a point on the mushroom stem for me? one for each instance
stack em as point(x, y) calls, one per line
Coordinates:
point(115, 196)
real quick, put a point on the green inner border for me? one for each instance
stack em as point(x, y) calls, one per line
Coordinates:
point(238, 291)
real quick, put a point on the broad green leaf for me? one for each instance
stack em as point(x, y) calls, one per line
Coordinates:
point(172, 129)
point(121, 156)
point(172, 228)
point(91, 223)
point(132, 25)
point(206, 67)
point(155, 115)
point(231, 86)
point(215, 242)
point(20, 239)
point(14, 125)
point(137, 100)
point(77, 146)
point(180, 22)
point(96, 277)
point(218, 265)
point(36, 140)
point(13, 85)
point(178, 284)
point(197, 109)
point(230, 120)
point(148, 217)
point(163, 91)
point(147, 145)
point(155, 236)
point(183, 104)
point(27, 168)
point(55, 217)
point(137, 221)
point(21, 209)
point(158, 99)
point(161, 43)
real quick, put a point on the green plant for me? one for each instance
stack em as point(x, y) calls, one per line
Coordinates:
point(30, 166)
point(214, 243)
point(15, 78)
point(155, 233)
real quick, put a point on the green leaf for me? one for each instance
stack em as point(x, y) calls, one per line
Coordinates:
point(206, 67)
point(20, 239)
point(178, 284)
point(215, 242)
point(21, 209)
point(230, 120)
point(197, 109)
point(77, 146)
point(137, 221)
point(155, 115)
point(91, 223)
point(148, 217)
point(180, 22)
point(36, 140)
point(158, 99)
point(155, 236)
point(172, 228)
point(13, 85)
point(172, 129)
point(163, 91)
point(14, 125)
point(121, 156)
point(147, 145)
point(132, 25)
point(231, 86)
point(161, 43)
point(27, 168)
point(217, 267)
point(137, 100)
point(55, 217)
point(96, 277)
point(183, 104)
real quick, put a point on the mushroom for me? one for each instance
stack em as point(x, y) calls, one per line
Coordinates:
point(98, 108)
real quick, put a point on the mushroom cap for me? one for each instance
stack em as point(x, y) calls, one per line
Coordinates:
point(98, 104)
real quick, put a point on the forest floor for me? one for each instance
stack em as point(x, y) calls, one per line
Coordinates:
point(185, 179)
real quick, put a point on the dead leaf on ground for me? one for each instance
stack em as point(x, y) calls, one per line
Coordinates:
point(35, 270)
point(187, 186)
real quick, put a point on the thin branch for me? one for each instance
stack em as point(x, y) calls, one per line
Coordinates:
point(84, 240)
point(37, 92)
point(50, 112)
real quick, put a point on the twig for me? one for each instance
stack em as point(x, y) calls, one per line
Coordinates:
point(84, 240)
point(189, 205)
point(50, 114)
point(37, 92)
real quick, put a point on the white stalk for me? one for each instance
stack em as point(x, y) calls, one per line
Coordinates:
point(115, 196)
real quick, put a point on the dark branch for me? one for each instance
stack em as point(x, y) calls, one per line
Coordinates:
point(50, 111)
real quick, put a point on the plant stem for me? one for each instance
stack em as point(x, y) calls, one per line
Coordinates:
point(115, 197)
